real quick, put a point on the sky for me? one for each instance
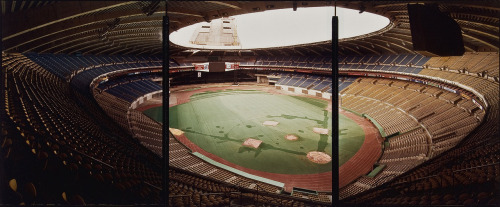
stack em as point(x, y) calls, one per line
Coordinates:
point(286, 27)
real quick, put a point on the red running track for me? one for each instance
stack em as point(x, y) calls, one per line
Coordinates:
point(362, 162)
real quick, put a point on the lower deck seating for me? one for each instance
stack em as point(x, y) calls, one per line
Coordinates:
point(315, 82)
point(466, 174)
point(428, 125)
point(115, 99)
point(146, 130)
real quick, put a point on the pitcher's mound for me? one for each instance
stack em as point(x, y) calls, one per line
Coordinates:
point(270, 123)
point(291, 137)
point(253, 143)
point(319, 157)
point(176, 132)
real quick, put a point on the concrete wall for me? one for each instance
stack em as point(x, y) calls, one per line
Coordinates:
point(297, 90)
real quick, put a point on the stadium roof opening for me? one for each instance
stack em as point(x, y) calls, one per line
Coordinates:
point(278, 28)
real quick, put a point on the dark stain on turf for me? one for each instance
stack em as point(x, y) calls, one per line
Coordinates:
point(301, 131)
point(249, 126)
point(221, 131)
point(261, 135)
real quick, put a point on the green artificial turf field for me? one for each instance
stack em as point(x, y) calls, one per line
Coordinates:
point(155, 113)
point(351, 137)
point(220, 121)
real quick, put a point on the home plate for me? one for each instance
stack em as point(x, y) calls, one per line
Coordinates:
point(254, 143)
point(320, 130)
point(270, 123)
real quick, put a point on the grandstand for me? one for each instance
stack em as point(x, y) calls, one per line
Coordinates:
point(78, 76)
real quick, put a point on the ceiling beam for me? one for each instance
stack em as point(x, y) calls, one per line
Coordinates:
point(233, 5)
point(130, 41)
point(89, 42)
point(137, 48)
point(346, 47)
point(186, 12)
point(360, 45)
point(311, 50)
point(61, 39)
point(390, 5)
point(93, 8)
point(78, 24)
point(405, 48)
point(481, 41)
point(149, 48)
point(381, 46)
point(112, 34)
point(406, 42)
point(117, 51)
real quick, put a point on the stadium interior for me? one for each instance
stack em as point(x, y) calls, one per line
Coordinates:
point(76, 76)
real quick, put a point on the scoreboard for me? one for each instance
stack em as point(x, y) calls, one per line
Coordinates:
point(216, 66)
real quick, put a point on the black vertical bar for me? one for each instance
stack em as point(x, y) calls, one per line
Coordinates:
point(165, 101)
point(3, 112)
point(335, 112)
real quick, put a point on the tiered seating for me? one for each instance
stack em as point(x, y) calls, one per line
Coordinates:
point(82, 80)
point(468, 180)
point(313, 62)
point(344, 82)
point(133, 90)
point(465, 174)
point(125, 79)
point(476, 62)
point(60, 148)
point(115, 97)
point(314, 82)
point(114, 107)
point(320, 197)
point(63, 65)
point(81, 70)
point(415, 111)
point(407, 63)
point(148, 132)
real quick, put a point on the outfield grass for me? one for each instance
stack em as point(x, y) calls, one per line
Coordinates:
point(220, 121)
point(351, 137)
point(155, 113)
